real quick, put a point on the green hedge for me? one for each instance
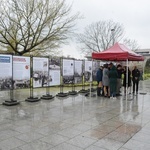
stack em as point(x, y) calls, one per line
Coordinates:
point(146, 76)
point(147, 70)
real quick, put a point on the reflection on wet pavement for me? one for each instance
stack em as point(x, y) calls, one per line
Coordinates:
point(76, 122)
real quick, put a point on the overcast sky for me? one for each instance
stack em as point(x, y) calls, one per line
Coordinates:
point(134, 15)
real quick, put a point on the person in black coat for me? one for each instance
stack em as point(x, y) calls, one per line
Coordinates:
point(113, 75)
point(120, 71)
point(128, 81)
point(135, 79)
point(99, 76)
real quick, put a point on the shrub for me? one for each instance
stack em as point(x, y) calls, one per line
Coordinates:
point(146, 76)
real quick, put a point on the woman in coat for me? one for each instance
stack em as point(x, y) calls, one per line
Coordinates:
point(99, 76)
point(113, 75)
point(105, 80)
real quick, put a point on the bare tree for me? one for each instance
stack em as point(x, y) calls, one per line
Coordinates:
point(100, 36)
point(131, 44)
point(35, 25)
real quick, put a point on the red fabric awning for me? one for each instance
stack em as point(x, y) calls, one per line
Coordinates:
point(118, 52)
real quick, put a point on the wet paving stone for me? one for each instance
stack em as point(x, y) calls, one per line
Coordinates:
point(76, 123)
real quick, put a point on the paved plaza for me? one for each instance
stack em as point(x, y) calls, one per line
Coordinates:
point(76, 122)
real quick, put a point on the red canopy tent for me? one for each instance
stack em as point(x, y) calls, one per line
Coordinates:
point(118, 52)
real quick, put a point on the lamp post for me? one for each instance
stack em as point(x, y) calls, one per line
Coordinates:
point(113, 39)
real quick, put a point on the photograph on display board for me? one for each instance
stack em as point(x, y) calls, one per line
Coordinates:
point(95, 67)
point(54, 71)
point(21, 72)
point(40, 72)
point(6, 72)
point(88, 71)
point(78, 71)
point(68, 71)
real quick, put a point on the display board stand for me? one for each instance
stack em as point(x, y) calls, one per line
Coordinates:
point(73, 92)
point(83, 88)
point(61, 94)
point(91, 88)
point(11, 102)
point(91, 83)
point(31, 98)
point(89, 93)
point(83, 83)
point(89, 68)
point(48, 96)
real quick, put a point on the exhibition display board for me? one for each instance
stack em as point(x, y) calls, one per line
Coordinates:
point(44, 72)
point(68, 71)
point(78, 71)
point(88, 71)
point(95, 67)
point(18, 72)
point(6, 72)
point(21, 72)
point(54, 71)
point(40, 71)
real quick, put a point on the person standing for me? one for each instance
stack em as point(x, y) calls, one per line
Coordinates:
point(99, 75)
point(135, 79)
point(113, 74)
point(128, 81)
point(119, 79)
point(105, 80)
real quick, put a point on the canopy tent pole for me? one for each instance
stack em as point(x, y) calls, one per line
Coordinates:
point(142, 75)
point(126, 78)
point(127, 81)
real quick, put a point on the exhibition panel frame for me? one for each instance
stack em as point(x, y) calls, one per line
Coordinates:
point(21, 72)
point(6, 75)
point(40, 72)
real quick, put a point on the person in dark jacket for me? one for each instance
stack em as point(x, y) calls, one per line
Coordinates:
point(128, 81)
point(119, 79)
point(105, 80)
point(99, 76)
point(113, 75)
point(135, 79)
